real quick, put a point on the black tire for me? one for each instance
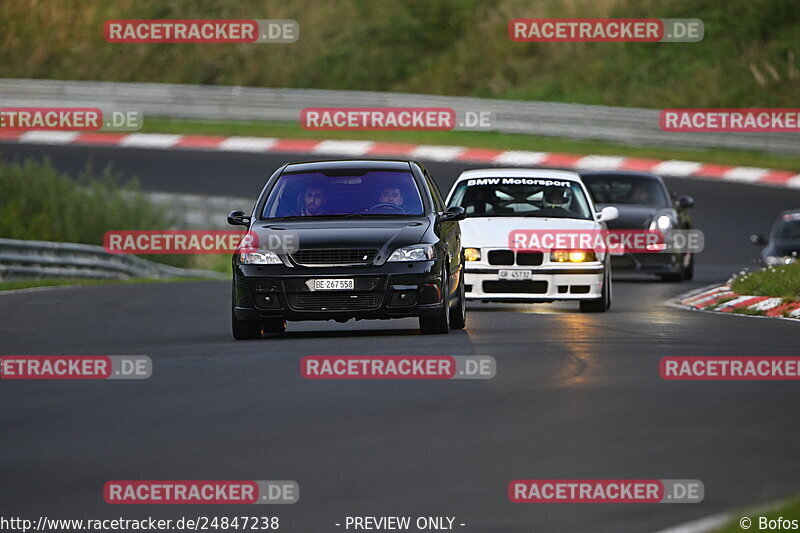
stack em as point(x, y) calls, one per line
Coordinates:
point(275, 326)
point(458, 315)
point(602, 304)
point(439, 323)
point(688, 271)
point(244, 330)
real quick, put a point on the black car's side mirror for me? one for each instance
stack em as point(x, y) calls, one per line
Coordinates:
point(238, 218)
point(685, 202)
point(453, 213)
point(759, 239)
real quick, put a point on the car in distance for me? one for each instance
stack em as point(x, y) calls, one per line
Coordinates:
point(373, 240)
point(644, 203)
point(499, 201)
point(782, 245)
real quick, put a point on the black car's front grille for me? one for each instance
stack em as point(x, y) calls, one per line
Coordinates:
point(342, 301)
point(334, 256)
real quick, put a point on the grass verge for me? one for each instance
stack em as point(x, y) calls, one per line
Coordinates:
point(775, 281)
point(476, 139)
point(39, 203)
point(32, 283)
point(761, 521)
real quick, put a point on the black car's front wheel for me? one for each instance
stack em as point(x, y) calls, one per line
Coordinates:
point(245, 329)
point(458, 314)
point(440, 322)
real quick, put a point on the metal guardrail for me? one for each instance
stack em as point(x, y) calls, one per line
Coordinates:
point(38, 259)
point(632, 126)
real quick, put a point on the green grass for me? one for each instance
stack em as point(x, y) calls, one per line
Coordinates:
point(747, 311)
point(790, 511)
point(478, 139)
point(748, 58)
point(39, 203)
point(46, 282)
point(780, 282)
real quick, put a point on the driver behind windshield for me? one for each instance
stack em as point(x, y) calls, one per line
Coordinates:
point(314, 200)
point(555, 201)
point(391, 195)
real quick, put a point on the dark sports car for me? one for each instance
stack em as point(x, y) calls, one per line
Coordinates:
point(644, 202)
point(369, 239)
point(782, 246)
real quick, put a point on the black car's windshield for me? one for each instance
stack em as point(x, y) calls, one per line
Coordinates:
point(516, 197)
point(788, 227)
point(374, 193)
point(626, 190)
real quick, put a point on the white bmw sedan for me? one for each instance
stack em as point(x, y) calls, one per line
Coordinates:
point(518, 221)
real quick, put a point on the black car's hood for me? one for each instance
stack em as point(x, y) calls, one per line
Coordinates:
point(347, 233)
point(633, 216)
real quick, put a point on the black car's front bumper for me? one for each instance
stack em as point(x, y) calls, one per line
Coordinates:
point(655, 263)
point(392, 290)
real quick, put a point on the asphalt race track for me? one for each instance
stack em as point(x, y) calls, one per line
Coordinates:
point(575, 396)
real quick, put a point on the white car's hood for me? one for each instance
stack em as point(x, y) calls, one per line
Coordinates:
point(492, 232)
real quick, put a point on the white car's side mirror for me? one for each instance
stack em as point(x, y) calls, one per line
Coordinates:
point(608, 213)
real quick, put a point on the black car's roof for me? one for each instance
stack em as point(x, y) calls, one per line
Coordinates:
point(621, 173)
point(354, 164)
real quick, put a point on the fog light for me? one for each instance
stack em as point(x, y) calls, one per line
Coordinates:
point(472, 254)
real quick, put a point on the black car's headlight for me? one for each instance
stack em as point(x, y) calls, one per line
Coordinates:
point(418, 252)
point(259, 258)
point(662, 223)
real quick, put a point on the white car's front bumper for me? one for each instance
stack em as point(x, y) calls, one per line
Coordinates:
point(547, 283)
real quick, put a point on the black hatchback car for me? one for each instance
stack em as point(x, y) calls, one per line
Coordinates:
point(349, 239)
point(782, 245)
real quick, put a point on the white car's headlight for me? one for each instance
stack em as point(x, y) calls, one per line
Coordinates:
point(259, 258)
point(418, 252)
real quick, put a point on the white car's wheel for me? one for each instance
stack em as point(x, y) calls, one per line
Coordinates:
point(602, 304)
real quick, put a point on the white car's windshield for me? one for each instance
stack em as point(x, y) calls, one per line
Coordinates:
point(515, 197)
